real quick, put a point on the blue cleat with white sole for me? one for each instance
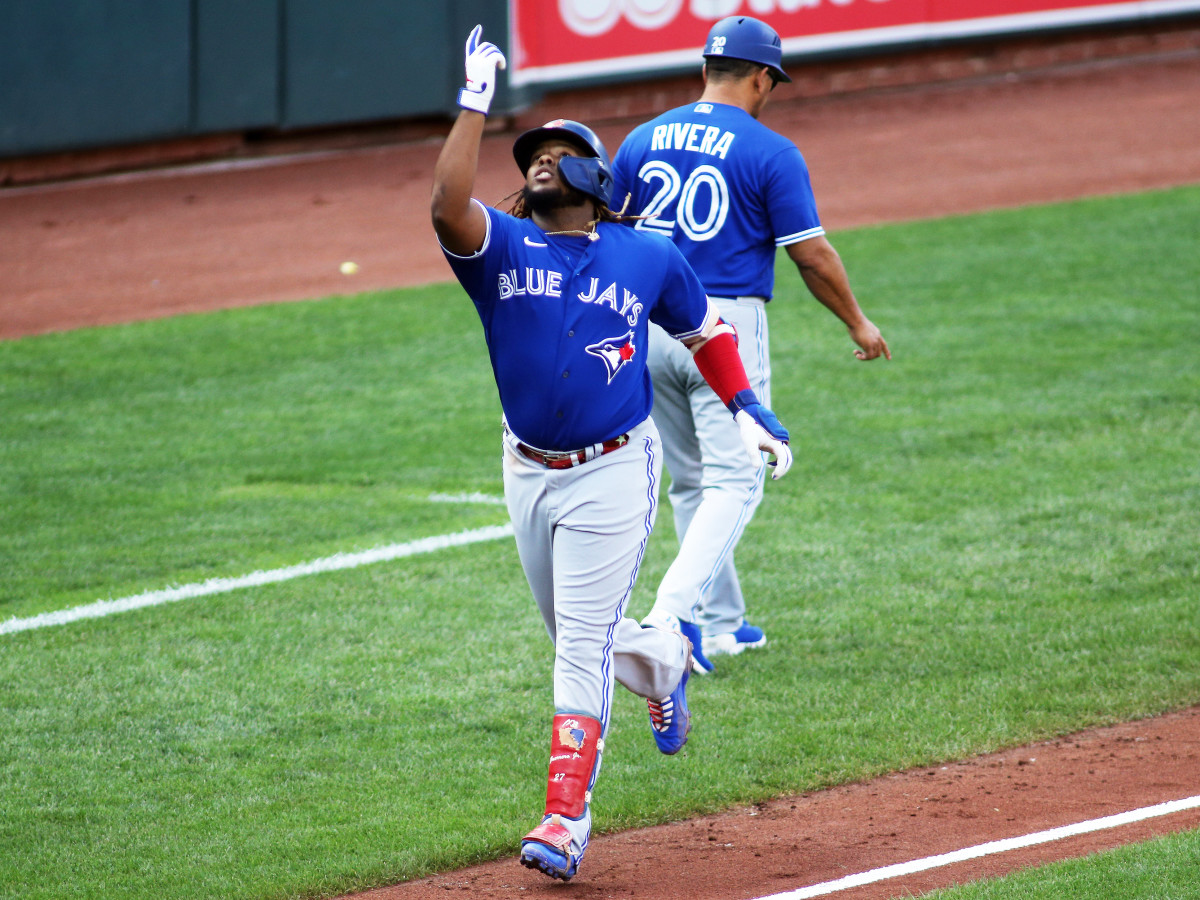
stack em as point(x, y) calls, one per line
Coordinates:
point(747, 637)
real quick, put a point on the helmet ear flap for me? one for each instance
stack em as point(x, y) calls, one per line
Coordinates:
point(588, 175)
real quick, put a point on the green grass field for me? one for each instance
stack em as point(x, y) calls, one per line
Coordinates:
point(1163, 869)
point(990, 540)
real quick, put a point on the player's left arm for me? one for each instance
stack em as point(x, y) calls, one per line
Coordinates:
point(715, 352)
point(825, 275)
point(686, 313)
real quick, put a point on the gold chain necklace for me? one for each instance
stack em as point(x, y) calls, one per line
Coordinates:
point(590, 232)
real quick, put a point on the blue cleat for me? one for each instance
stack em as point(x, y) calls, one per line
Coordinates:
point(548, 849)
point(747, 637)
point(690, 630)
point(670, 720)
point(700, 661)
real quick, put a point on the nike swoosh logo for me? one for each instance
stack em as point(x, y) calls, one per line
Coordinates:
point(531, 243)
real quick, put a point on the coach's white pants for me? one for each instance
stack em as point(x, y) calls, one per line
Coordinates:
point(714, 489)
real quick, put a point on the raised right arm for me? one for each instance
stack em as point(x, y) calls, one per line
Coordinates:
point(461, 225)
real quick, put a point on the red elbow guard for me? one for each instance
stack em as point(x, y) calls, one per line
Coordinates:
point(719, 363)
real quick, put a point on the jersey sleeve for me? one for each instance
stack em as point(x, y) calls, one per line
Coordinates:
point(683, 311)
point(477, 270)
point(791, 206)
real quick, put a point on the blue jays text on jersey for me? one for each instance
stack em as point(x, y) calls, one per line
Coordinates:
point(535, 282)
point(708, 171)
point(566, 321)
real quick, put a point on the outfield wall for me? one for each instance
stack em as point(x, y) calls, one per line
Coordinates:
point(93, 85)
point(598, 38)
point(77, 74)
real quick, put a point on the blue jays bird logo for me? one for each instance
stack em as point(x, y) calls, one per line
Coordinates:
point(570, 735)
point(615, 352)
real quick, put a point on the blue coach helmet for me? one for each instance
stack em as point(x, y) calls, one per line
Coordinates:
point(741, 37)
point(591, 174)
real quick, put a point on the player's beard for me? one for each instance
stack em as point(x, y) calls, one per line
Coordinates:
point(547, 200)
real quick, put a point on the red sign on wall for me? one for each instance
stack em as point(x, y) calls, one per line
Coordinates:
point(559, 40)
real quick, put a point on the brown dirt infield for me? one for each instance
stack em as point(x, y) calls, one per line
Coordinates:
point(118, 249)
point(792, 843)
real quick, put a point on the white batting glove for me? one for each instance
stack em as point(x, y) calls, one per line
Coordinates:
point(757, 437)
point(483, 59)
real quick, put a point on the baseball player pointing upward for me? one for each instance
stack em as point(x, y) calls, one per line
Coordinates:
point(566, 297)
point(729, 192)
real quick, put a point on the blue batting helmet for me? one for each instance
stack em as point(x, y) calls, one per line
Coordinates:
point(590, 174)
point(741, 37)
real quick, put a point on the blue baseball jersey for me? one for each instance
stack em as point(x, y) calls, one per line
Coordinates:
point(566, 323)
point(724, 187)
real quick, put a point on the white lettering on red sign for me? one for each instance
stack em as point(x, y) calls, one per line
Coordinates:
point(594, 17)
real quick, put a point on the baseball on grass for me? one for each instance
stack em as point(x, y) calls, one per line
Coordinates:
point(349, 268)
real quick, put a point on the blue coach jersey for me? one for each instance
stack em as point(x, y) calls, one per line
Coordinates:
point(724, 187)
point(566, 323)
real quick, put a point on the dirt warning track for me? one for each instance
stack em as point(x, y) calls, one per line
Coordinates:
point(788, 845)
point(260, 230)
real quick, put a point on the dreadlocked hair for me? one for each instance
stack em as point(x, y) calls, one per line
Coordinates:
point(520, 209)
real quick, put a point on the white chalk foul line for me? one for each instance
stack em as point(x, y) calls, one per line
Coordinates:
point(988, 849)
point(488, 499)
point(333, 563)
